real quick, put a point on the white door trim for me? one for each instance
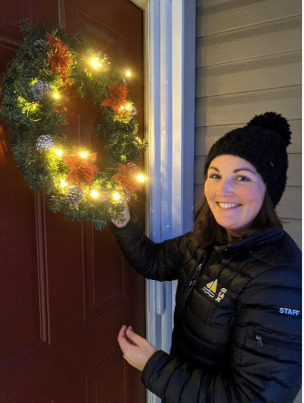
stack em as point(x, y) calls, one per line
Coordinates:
point(170, 122)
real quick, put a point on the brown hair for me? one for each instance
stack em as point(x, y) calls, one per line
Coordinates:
point(208, 232)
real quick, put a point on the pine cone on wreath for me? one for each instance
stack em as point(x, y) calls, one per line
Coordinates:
point(75, 195)
point(41, 46)
point(44, 142)
point(40, 89)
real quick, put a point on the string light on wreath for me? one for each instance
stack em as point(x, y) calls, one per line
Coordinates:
point(58, 152)
point(56, 95)
point(95, 194)
point(116, 196)
point(47, 65)
point(141, 178)
point(128, 73)
point(129, 178)
point(99, 61)
point(63, 183)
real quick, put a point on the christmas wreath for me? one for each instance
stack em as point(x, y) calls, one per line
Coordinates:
point(48, 66)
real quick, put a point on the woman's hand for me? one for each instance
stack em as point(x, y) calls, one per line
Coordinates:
point(126, 215)
point(136, 350)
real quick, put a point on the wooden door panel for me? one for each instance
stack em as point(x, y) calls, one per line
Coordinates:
point(97, 31)
point(101, 382)
point(104, 272)
point(22, 277)
point(65, 289)
point(19, 300)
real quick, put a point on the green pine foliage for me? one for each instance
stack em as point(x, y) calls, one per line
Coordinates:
point(30, 112)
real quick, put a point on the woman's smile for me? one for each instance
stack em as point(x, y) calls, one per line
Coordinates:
point(227, 205)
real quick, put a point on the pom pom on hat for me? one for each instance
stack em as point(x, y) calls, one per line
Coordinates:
point(262, 142)
point(275, 122)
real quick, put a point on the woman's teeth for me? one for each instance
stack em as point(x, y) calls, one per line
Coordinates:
point(228, 205)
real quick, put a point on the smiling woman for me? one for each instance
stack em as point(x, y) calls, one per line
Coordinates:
point(235, 272)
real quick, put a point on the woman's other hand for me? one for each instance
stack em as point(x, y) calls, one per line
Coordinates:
point(136, 350)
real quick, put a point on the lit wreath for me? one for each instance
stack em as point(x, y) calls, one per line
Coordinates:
point(48, 66)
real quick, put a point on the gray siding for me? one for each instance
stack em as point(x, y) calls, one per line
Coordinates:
point(248, 62)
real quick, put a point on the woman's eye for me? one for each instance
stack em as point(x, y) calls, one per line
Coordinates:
point(242, 178)
point(213, 176)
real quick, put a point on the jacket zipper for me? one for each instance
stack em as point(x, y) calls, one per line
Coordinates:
point(268, 339)
point(193, 280)
point(259, 340)
point(207, 261)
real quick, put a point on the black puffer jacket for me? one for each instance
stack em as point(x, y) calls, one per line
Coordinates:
point(237, 321)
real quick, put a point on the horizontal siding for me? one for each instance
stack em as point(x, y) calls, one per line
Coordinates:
point(250, 42)
point(294, 173)
point(219, 16)
point(250, 75)
point(290, 205)
point(239, 108)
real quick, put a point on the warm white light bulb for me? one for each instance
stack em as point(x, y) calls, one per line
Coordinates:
point(59, 152)
point(116, 196)
point(95, 62)
point(63, 183)
point(94, 194)
point(141, 178)
point(128, 73)
point(83, 154)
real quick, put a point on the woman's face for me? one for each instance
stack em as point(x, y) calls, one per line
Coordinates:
point(235, 192)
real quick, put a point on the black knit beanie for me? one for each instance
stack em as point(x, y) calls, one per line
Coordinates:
point(262, 142)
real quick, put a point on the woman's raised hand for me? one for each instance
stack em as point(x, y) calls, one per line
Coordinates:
point(126, 214)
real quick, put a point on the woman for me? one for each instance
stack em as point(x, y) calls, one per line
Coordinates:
point(237, 326)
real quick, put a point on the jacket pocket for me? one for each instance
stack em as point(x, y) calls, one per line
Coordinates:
point(269, 344)
point(264, 338)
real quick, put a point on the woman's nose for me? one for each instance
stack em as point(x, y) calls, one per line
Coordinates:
point(225, 187)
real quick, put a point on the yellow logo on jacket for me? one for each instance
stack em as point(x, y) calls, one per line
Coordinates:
point(211, 289)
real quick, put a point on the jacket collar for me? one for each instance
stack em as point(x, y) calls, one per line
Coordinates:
point(267, 236)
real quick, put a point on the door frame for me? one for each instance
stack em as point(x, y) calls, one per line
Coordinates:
point(170, 131)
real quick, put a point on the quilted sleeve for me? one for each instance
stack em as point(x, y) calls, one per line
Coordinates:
point(156, 261)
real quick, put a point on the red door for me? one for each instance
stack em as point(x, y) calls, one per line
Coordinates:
point(65, 289)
